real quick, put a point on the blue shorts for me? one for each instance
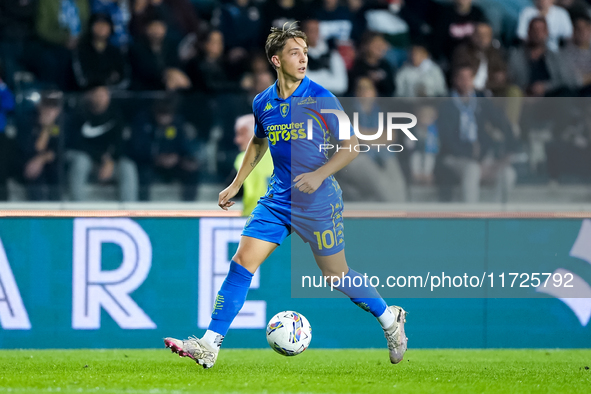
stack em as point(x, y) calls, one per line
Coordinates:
point(322, 228)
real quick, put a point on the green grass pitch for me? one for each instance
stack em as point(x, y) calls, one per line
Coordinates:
point(314, 371)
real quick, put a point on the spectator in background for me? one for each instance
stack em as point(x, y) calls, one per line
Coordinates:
point(260, 81)
point(578, 52)
point(538, 71)
point(499, 84)
point(212, 72)
point(240, 23)
point(389, 22)
point(420, 155)
point(93, 139)
point(373, 175)
point(476, 140)
point(420, 16)
point(325, 64)
point(186, 17)
point(120, 14)
point(17, 29)
point(277, 13)
point(97, 62)
point(6, 106)
point(481, 54)
point(259, 63)
point(371, 63)
point(455, 25)
point(262, 75)
point(178, 15)
point(257, 182)
point(575, 8)
point(557, 19)
point(335, 21)
point(39, 139)
point(569, 151)
point(154, 59)
point(159, 148)
point(385, 17)
point(357, 8)
point(420, 76)
point(225, 83)
point(60, 24)
point(507, 95)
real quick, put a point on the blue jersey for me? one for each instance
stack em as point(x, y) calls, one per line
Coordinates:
point(284, 122)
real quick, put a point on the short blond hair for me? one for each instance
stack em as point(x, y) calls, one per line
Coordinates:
point(279, 36)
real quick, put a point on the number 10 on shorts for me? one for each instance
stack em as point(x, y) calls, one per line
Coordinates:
point(326, 239)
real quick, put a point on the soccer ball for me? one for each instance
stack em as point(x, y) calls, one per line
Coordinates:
point(289, 333)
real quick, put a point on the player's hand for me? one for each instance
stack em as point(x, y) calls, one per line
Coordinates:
point(308, 182)
point(225, 196)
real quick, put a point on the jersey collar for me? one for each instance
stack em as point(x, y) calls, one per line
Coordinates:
point(299, 92)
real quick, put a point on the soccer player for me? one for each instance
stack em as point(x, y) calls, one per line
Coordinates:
point(302, 196)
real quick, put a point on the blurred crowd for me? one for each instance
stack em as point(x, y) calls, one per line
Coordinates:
point(133, 92)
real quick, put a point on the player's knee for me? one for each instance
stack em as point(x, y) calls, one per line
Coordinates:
point(244, 262)
point(238, 259)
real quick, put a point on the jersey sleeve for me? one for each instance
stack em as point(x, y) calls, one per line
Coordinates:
point(259, 130)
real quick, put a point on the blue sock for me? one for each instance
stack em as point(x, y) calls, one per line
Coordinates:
point(230, 298)
point(366, 297)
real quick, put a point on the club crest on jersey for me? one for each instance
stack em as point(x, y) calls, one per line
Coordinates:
point(284, 109)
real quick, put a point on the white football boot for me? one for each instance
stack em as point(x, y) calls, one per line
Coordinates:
point(194, 348)
point(395, 335)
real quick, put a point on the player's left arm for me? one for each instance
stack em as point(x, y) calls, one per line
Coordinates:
point(310, 182)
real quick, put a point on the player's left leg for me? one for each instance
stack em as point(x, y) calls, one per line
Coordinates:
point(364, 295)
point(263, 232)
point(230, 298)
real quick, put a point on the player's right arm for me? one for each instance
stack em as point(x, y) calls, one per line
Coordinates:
point(257, 147)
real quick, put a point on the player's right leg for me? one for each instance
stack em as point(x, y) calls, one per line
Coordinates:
point(330, 258)
point(392, 318)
